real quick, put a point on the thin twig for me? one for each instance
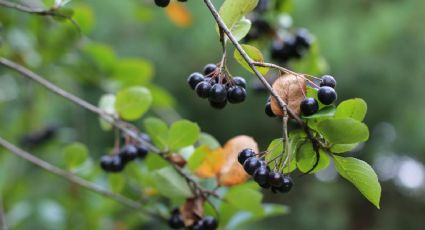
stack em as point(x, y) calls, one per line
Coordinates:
point(3, 223)
point(74, 179)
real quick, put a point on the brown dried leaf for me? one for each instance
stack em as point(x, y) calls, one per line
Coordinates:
point(177, 160)
point(212, 164)
point(179, 14)
point(292, 90)
point(192, 210)
point(232, 173)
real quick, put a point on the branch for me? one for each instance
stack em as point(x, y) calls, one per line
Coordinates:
point(3, 223)
point(74, 179)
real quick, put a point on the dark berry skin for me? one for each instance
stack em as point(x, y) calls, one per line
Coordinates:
point(251, 164)
point(209, 223)
point(142, 151)
point(236, 94)
point(128, 153)
point(117, 164)
point(106, 163)
point(145, 137)
point(218, 105)
point(203, 89)
point(326, 95)
point(303, 38)
point(244, 155)
point(218, 93)
point(175, 222)
point(239, 81)
point(261, 176)
point(287, 184)
point(268, 110)
point(198, 225)
point(309, 106)
point(328, 80)
point(194, 79)
point(209, 69)
point(162, 3)
point(275, 179)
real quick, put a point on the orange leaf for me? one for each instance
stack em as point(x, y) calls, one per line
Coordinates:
point(179, 14)
point(212, 164)
point(232, 173)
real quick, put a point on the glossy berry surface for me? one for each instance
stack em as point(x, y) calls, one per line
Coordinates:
point(303, 38)
point(142, 151)
point(218, 105)
point(326, 95)
point(261, 176)
point(268, 110)
point(218, 93)
point(244, 155)
point(309, 106)
point(128, 153)
point(162, 3)
point(117, 164)
point(194, 79)
point(239, 81)
point(175, 222)
point(198, 225)
point(209, 223)
point(236, 94)
point(251, 164)
point(106, 163)
point(287, 184)
point(203, 89)
point(275, 179)
point(328, 80)
point(209, 69)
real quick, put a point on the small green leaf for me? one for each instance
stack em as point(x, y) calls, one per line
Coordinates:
point(323, 114)
point(244, 198)
point(353, 108)
point(107, 104)
point(207, 139)
point(343, 130)
point(233, 10)
point(307, 157)
point(75, 155)
point(197, 157)
point(361, 175)
point(133, 102)
point(275, 149)
point(241, 28)
point(161, 97)
point(170, 184)
point(182, 133)
point(133, 72)
point(116, 182)
point(255, 54)
point(342, 148)
point(101, 55)
point(157, 130)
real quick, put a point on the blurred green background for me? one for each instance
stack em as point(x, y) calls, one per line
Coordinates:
point(373, 48)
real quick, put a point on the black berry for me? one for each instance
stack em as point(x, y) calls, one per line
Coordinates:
point(162, 3)
point(209, 223)
point(209, 69)
point(328, 80)
point(239, 81)
point(326, 95)
point(145, 137)
point(309, 106)
point(117, 164)
point(287, 184)
point(268, 110)
point(198, 225)
point(128, 153)
point(203, 89)
point(244, 155)
point(261, 176)
point(251, 164)
point(175, 222)
point(275, 179)
point(218, 105)
point(194, 79)
point(236, 94)
point(218, 93)
point(142, 151)
point(106, 163)
point(303, 38)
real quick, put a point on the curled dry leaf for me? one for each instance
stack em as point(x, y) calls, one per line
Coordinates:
point(192, 210)
point(177, 159)
point(212, 164)
point(232, 173)
point(292, 90)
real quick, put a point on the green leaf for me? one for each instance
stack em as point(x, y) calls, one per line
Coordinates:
point(157, 130)
point(361, 175)
point(255, 54)
point(84, 16)
point(207, 139)
point(170, 184)
point(306, 158)
point(275, 149)
point(75, 155)
point(133, 72)
point(102, 55)
point(233, 10)
point(107, 104)
point(343, 131)
point(353, 108)
point(244, 198)
point(116, 182)
point(342, 148)
point(161, 97)
point(182, 133)
point(133, 102)
point(197, 157)
point(315, 119)
point(241, 28)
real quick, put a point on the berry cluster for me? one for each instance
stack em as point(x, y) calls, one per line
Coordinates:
point(326, 95)
point(206, 223)
point(164, 3)
point(117, 162)
point(262, 174)
point(292, 47)
point(219, 88)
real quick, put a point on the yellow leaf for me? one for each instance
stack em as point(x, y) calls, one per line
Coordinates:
point(179, 14)
point(212, 164)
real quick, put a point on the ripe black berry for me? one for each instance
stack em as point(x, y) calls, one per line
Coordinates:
point(117, 164)
point(326, 95)
point(328, 80)
point(286, 184)
point(162, 3)
point(175, 222)
point(244, 155)
point(198, 225)
point(236, 94)
point(303, 38)
point(269, 110)
point(218, 105)
point(275, 179)
point(309, 106)
point(128, 153)
point(251, 164)
point(239, 81)
point(209, 223)
point(106, 163)
point(142, 151)
point(261, 176)
point(218, 93)
point(209, 69)
point(194, 79)
point(203, 89)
